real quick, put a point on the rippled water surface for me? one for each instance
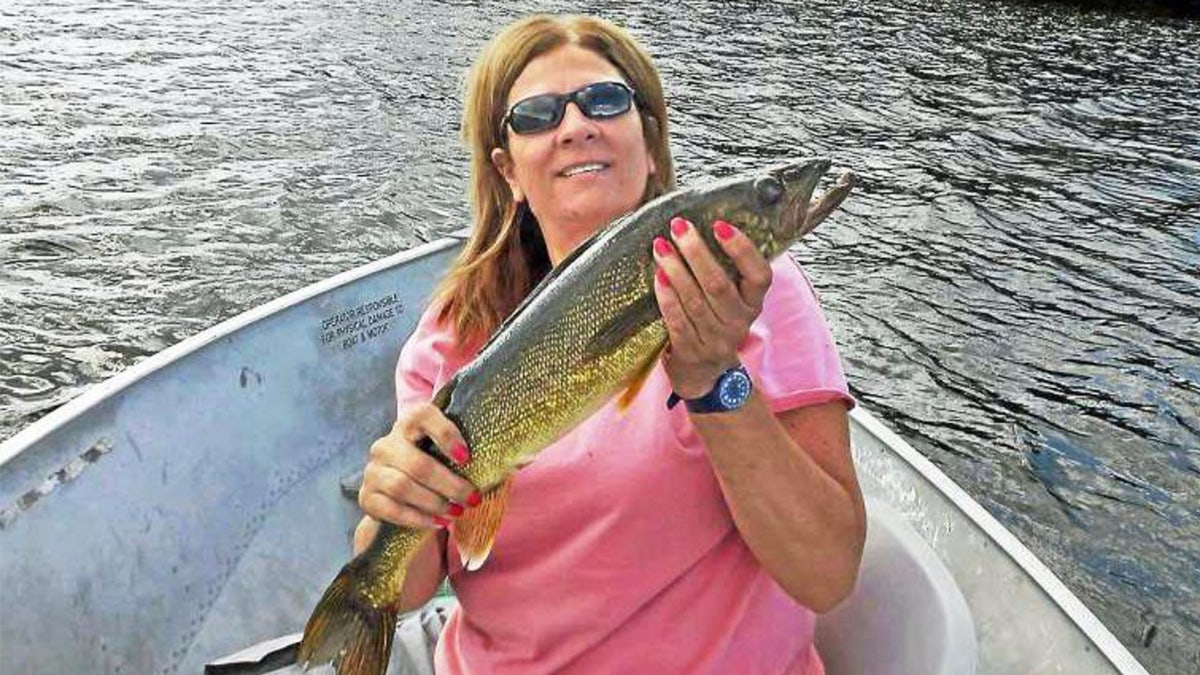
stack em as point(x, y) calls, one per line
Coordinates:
point(1015, 287)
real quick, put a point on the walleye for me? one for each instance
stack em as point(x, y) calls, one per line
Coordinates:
point(590, 329)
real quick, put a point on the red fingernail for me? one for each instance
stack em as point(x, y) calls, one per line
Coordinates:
point(441, 522)
point(455, 510)
point(678, 226)
point(662, 246)
point(723, 229)
point(662, 276)
point(474, 498)
point(460, 454)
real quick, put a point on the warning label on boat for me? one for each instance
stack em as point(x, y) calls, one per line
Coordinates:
point(352, 327)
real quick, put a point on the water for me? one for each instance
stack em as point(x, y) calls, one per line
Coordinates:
point(1015, 287)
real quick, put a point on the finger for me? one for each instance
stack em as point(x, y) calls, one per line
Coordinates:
point(691, 296)
point(680, 331)
point(832, 199)
point(431, 474)
point(381, 507)
point(409, 491)
point(430, 422)
point(753, 268)
point(720, 291)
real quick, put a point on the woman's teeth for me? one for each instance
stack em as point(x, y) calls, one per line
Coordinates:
point(583, 168)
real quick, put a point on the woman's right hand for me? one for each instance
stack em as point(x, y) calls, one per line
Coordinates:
point(405, 486)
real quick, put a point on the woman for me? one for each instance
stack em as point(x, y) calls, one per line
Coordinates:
point(698, 539)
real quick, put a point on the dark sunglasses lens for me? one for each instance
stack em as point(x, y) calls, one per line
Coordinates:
point(539, 113)
point(605, 99)
point(535, 114)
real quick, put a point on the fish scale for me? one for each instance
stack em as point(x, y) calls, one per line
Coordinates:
point(589, 330)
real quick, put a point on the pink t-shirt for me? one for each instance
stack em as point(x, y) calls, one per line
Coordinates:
point(618, 553)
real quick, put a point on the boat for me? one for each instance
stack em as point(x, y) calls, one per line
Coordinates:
point(193, 505)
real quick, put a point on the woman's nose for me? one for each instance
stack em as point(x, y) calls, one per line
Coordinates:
point(575, 126)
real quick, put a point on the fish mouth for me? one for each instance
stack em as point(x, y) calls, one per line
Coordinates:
point(801, 213)
point(799, 181)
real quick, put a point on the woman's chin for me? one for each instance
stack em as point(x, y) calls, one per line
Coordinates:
point(590, 221)
point(599, 210)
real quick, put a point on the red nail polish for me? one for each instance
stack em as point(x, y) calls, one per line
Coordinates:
point(455, 510)
point(679, 226)
point(662, 246)
point(662, 276)
point(441, 522)
point(460, 454)
point(723, 230)
point(474, 498)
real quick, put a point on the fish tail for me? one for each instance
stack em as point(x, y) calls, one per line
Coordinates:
point(346, 627)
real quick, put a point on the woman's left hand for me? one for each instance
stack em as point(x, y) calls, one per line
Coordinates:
point(707, 315)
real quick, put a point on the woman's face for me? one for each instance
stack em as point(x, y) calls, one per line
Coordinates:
point(543, 168)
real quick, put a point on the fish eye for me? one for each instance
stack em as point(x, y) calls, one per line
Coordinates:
point(768, 189)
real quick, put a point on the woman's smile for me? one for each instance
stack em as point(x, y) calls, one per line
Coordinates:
point(585, 169)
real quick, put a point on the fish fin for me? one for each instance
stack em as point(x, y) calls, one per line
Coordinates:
point(638, 380)
point(641, 313)
point(346, 628)
point(475, 531)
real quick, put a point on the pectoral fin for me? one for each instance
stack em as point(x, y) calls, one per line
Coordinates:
point(638, 380)
point(475, 531)
point(628, 323)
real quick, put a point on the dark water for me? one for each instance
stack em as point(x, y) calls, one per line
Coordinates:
point(1015, 288)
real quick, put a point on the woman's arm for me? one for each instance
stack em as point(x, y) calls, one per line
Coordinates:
point(789, 482)
point(789, 479)
point(405, 486)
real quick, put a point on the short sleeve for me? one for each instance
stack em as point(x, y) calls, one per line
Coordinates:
point(428, 360)
point(790, 349)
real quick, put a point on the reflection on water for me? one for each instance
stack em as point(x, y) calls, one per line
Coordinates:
point(1016, 286)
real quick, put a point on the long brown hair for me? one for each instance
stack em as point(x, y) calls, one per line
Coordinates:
point(506, 255)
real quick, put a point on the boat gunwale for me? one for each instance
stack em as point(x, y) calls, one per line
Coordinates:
point(1117, 654)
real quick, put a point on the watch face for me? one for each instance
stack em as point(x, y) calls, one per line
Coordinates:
point(735, 389)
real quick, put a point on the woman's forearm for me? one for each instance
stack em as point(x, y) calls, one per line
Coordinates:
point(804, 522)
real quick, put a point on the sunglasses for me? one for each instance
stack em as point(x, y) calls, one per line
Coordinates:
point(599, 101)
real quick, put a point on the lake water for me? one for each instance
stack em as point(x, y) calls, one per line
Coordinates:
point(1015, 287)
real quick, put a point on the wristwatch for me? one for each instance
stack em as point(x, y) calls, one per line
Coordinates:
point(731, 391)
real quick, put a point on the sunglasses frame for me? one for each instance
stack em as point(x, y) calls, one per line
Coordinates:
point(561, 101)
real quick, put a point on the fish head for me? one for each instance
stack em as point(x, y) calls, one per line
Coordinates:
point(781, 197)
point(771, 206)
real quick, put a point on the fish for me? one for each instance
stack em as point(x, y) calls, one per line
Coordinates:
point(589, 331)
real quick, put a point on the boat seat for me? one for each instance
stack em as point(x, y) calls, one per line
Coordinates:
point(906, 614)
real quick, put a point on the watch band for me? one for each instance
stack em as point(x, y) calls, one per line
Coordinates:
point(730, 392)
